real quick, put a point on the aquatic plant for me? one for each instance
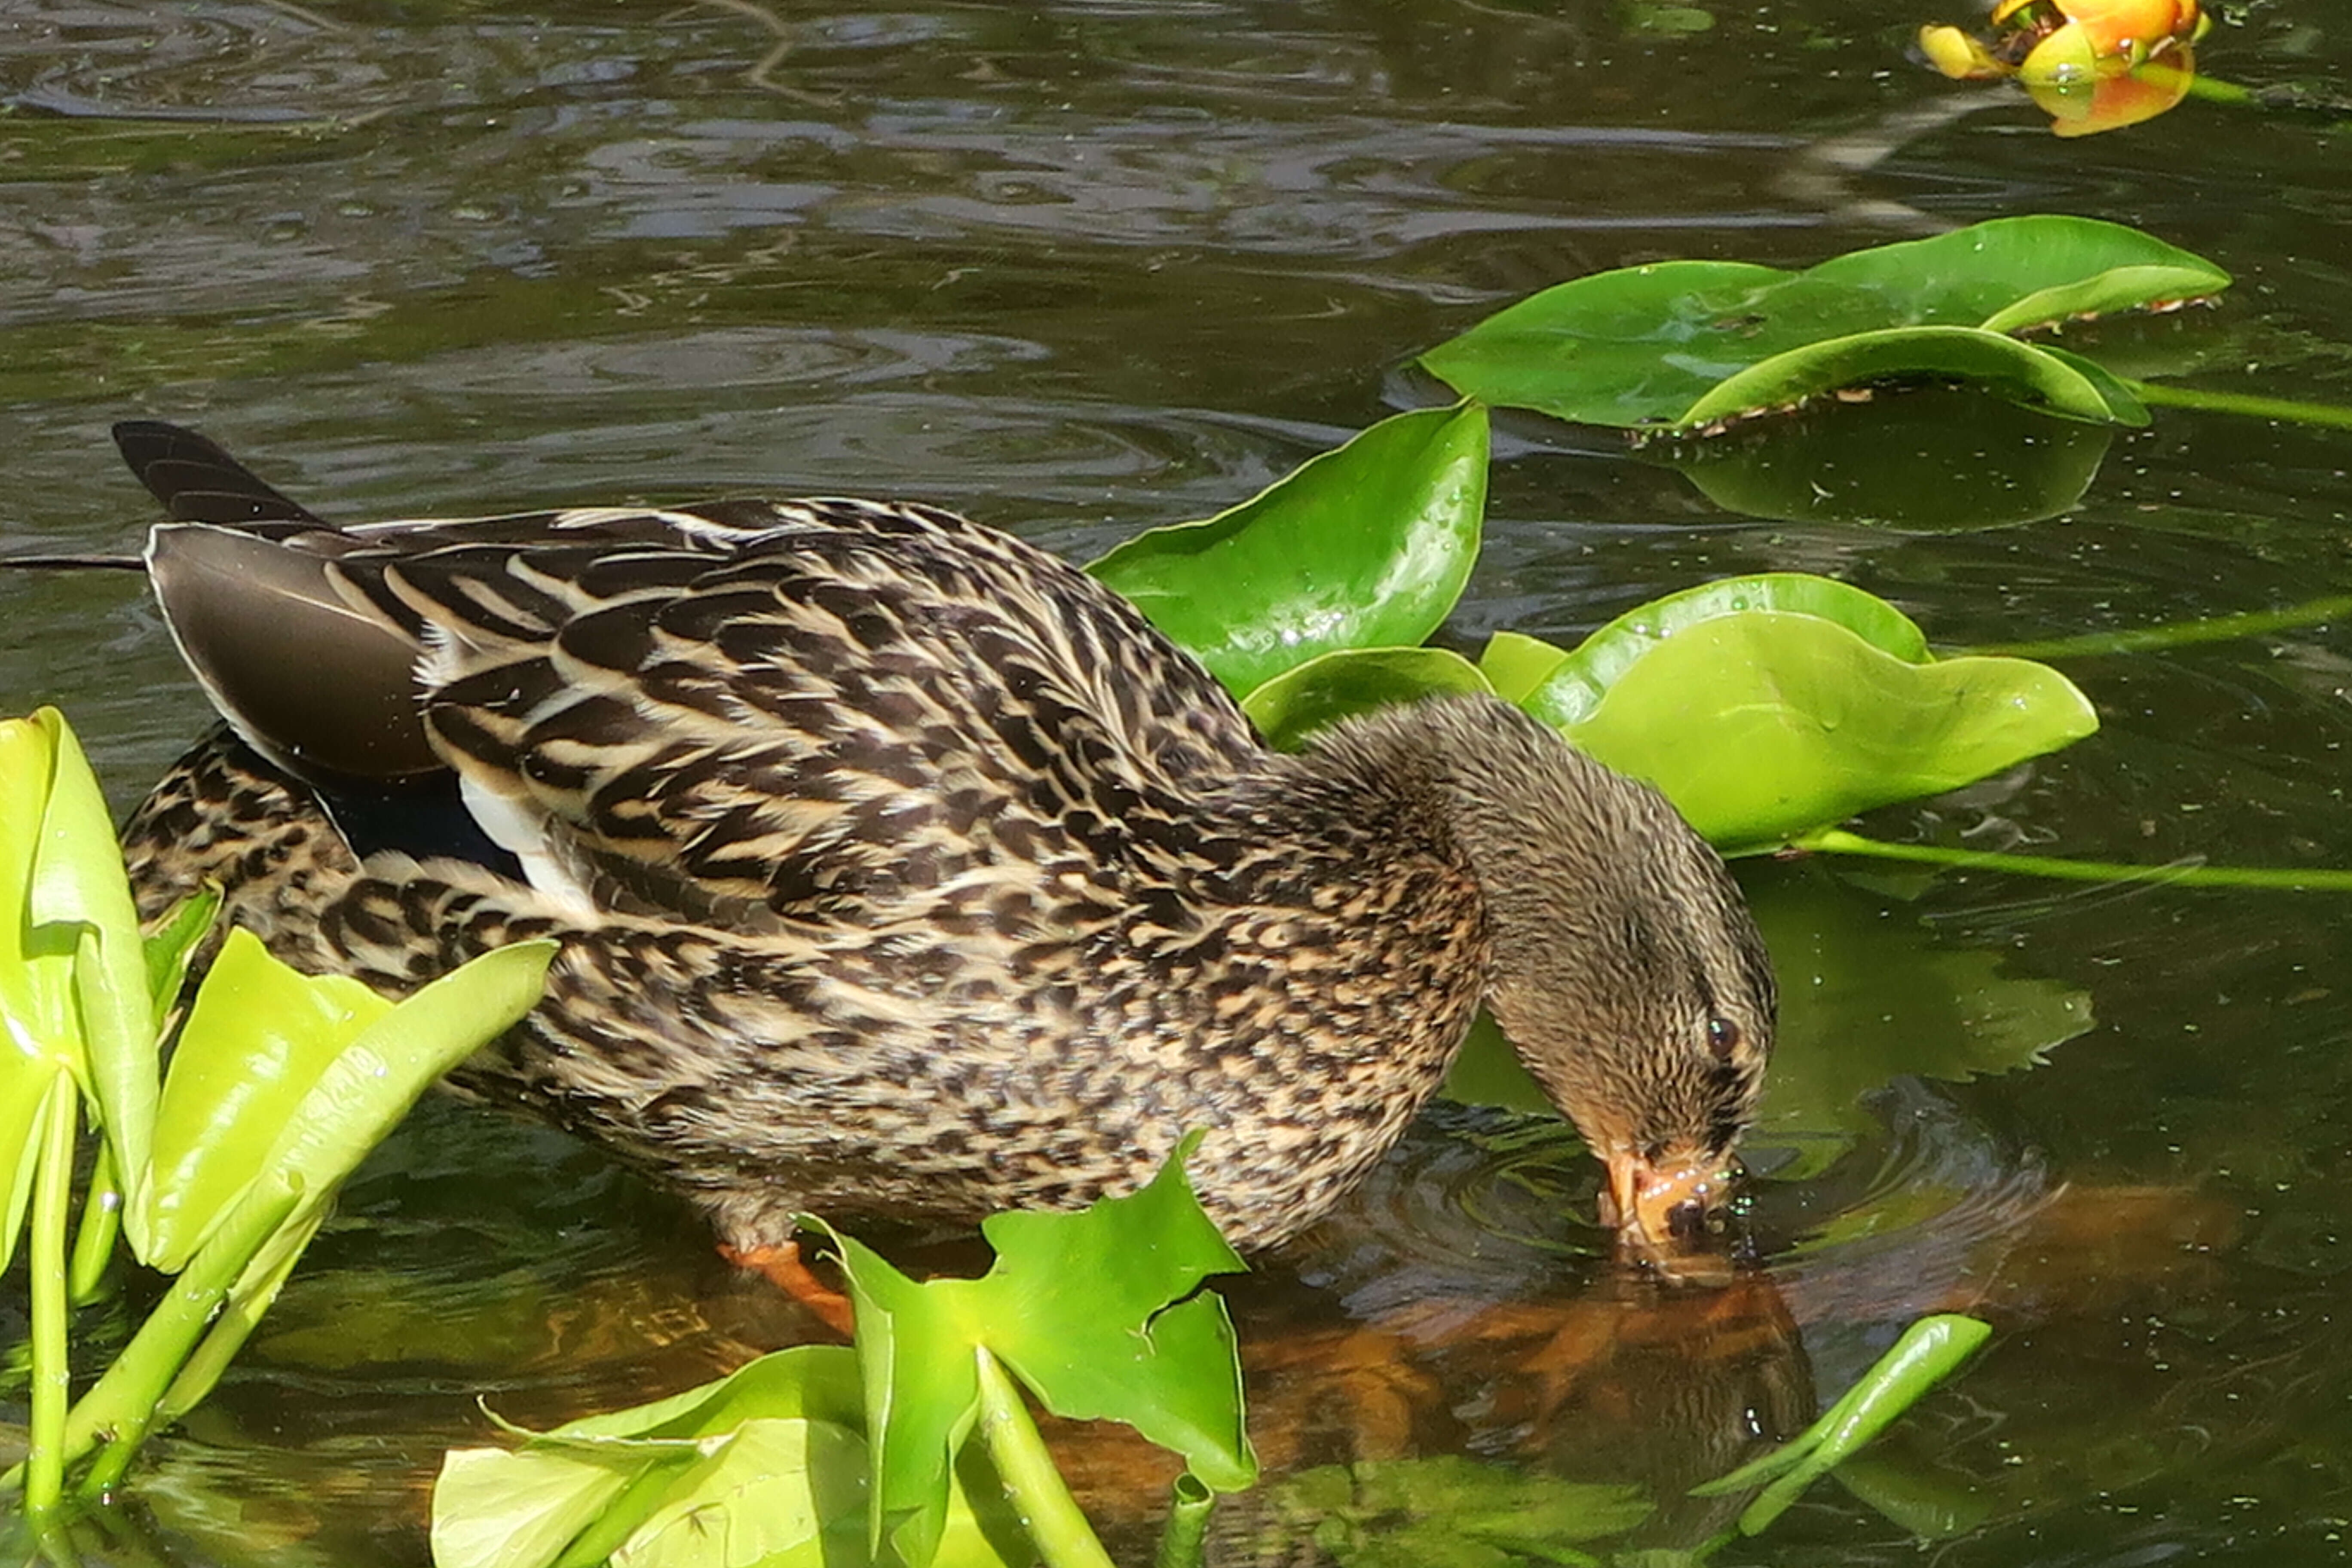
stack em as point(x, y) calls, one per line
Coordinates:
point(1311, 602)
point(1683, 346)
point(823, 1453)
point(216, 1174)
point(2090, 65)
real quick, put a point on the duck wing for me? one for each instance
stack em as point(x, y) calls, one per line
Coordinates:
point(761, 713)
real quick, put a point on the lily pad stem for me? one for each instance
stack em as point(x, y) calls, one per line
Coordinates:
point(1930, 1351)
point(122, 1405)
point(1184, 1539)
point(101, 1222)
point(2178, 633)
point(1032, 1484)
point(2304, 880)
point(52, 1388)
point(2213, 90)
point(2327, 415)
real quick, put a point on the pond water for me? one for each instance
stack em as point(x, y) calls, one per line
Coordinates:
point(1081, 268)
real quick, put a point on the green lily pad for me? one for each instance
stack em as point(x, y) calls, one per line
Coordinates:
point(1367, 546)
point(1324, 690)
point(37, 977)
point(294, 1077)
point(259, 1038)
point(1516, 665)
point(781, 1494)
point(171, 949)
point(1133, 1343)
point(73, 970)
point(1681, 345)
point(2064, 385)
point(766, 1465)
point(824, 1455)
point(1765, 707)
point(1563, 688)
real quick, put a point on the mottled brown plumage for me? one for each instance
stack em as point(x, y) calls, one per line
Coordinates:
point(902, 869)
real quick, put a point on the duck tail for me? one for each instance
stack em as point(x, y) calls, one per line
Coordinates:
point(314, 681)
point(195, 481)
point(198, 481)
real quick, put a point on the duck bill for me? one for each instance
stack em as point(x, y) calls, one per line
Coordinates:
point(1668, 1214)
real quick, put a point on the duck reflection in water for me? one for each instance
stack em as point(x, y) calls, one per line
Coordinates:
point(1400, 1361)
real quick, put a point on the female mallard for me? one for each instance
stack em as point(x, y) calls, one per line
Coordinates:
point(901, 868)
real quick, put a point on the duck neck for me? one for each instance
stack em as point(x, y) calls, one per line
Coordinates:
point(1497, 794)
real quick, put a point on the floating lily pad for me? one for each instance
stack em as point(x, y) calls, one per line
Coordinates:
point(1367, 546)
point(1681, 345)
point(2057, 383)
point(1564, 687)
point(1764, 707)
point(765, 1465)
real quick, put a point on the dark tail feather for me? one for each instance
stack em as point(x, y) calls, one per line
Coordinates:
point(198, 482)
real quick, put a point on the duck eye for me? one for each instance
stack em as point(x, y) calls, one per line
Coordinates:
point(1722, 1037)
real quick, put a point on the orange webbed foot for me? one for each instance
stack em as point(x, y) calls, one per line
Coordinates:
point(789, 1273)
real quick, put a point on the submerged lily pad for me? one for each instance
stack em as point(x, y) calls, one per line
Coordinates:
point(1680, 345)
point(1930, 1351)
point(1449, 1511)
point(1766, 706)
point(1871, 994)
point(1367, 546)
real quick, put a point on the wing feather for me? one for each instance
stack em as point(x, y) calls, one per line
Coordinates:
point(768, 713)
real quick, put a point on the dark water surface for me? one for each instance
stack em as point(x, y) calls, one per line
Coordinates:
point(1083, 268)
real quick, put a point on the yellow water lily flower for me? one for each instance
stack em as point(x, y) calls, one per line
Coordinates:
point(1959, 56)
point(2092, 65)
point(2129, 30)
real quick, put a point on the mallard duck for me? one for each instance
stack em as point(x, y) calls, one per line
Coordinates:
point(900, 868)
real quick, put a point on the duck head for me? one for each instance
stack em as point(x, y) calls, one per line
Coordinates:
point(1624, 964)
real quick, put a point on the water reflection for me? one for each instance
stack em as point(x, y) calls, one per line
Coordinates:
point(1924, 460)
